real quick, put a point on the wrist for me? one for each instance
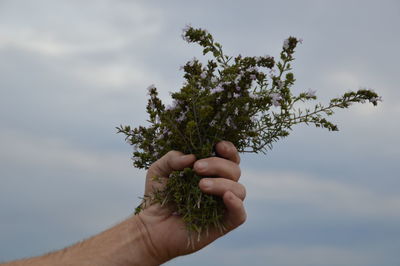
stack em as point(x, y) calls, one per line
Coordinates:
point(144, 243)
point(126, 244)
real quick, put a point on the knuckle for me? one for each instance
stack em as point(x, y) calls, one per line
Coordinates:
point(239, 172)
point(243, 191)
point(214, 160)
point(237, 158)
point(153, 168)
point(172, 153)
point(243, 218)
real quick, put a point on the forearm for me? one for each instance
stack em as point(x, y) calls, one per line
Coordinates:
point(124, 244)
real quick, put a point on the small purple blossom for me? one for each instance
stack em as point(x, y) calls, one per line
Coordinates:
point(135, 148)
point(286, 44)
point(253, 77)
point(135, 158)
point(203, 74)
point(311, 93)
point(229, 122)
point(217, 89)
point(184, 31)
point(172, 106)
point(150, 88)
point(252, 69)
point(238, 78)
point(181, 117)
point(280, 84)
point(375, 100)
point(275, 98)
point(254, 95)
point(192, 62)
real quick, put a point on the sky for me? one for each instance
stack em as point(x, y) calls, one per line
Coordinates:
point(71, 71)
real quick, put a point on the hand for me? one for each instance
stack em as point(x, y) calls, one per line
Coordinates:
point(166, 235)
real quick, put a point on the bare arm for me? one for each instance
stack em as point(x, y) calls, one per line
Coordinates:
point(156, 235)
point(123, 244)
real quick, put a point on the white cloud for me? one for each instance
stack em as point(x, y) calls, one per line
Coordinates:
point(69, 32)
point(323, 194)
point(284, 255)
point(52, 153)
point(112, 75)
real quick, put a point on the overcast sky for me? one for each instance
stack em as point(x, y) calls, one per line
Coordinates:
point(71, 71)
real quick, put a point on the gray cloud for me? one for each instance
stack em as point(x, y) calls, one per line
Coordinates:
point(70, 71)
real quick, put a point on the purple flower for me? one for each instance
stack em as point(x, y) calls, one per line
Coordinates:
point(217, 89)
point(229, 122)
point(184, 31)
point(181, 118)
point(172, 106)
point(280, 84)
point(275, 98)
point(192, 62)
point(150, 88)
point(203, 74)
point(286, 44)
point(135, 148)
point(254, 96)
point(135, 158)
point(252, 69)
point(375, 100)
point(238, 78)
point(311, 93)
point(253, 77)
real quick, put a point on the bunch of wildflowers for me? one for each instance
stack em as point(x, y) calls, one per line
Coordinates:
point(245, 100)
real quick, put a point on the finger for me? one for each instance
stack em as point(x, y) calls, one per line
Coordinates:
point(219, 186)
point(172, 161)
point(236, 213)
point(228, 151)
point(215, 166)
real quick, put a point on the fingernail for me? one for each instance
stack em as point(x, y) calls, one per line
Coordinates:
point(206, 183)
point(201, 165)
point(186, 156)
point(227, 147)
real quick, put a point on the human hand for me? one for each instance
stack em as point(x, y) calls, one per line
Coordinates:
point(165, 234)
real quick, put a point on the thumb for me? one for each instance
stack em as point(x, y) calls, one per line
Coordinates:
point(172, 161)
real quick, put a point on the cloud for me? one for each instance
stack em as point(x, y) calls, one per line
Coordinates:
point(65, 192)
point(323, 194)
point(73, 70)
point(286, 255)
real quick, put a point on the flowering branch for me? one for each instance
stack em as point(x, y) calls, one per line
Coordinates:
point(245, 100)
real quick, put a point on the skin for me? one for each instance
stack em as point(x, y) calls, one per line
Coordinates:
point(157, 235)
